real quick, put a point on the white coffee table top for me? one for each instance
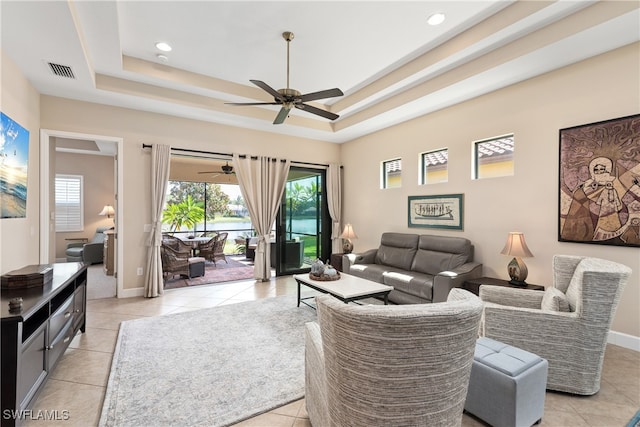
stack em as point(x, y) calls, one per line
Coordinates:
point(346, 287)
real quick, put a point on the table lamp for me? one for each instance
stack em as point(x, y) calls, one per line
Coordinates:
point(347, 235)
point(108, 211)
point(517, 247)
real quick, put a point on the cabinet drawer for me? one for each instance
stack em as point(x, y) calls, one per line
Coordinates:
point(62, 315)
point(32, 368)
point(59, 344)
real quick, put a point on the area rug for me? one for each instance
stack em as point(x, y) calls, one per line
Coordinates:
point(214, 273)
point(210, 367)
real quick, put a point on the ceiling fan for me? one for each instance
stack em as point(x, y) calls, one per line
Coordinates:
point(224, 170)
point(291, 98)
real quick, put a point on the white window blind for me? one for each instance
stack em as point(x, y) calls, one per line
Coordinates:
point(69, 212)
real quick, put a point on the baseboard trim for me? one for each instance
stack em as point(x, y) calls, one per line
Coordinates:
point(131, 293)
point(624, 340)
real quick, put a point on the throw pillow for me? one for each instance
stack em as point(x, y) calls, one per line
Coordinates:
point(554, 300)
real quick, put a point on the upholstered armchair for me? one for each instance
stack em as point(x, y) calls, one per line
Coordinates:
point(91, 252)
point(376, 365)
point(567, 324)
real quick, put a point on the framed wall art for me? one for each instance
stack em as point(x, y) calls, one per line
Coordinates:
point(599, 189)
point(441, 211)
point(14, 159)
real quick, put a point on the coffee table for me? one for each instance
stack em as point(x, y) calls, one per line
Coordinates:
point(347, 289)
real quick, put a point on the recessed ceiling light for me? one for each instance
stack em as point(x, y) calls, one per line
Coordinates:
point(163, 58)
point(163, 46)
point(436, 19)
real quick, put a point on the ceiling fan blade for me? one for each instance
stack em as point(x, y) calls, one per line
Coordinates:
point(253, 103)
point(329, 93)
point(284, 112)
point(207, 172)
point(262, 85)
point(318, 111)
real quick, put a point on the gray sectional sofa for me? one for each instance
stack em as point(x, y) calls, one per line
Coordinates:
point(421, 268)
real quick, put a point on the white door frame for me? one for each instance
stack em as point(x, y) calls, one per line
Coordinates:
point(45, 209)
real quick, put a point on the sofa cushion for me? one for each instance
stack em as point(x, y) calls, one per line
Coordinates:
point(439, 253)
point(411, 282)
point(372, 272)
point(397, 250)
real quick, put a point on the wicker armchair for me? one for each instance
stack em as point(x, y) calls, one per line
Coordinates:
point(213, 249)
point(177, 245)
point(376, 365)
point(567, 324)
point(173, 261)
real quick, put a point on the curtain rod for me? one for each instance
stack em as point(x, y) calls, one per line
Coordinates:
point(186, 150)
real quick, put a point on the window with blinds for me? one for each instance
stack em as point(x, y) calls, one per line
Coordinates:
point(69, 212)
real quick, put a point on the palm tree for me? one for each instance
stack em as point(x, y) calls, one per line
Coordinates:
point(184, 214)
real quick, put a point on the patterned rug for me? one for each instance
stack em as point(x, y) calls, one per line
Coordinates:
point(209, 367)
point(219, 272)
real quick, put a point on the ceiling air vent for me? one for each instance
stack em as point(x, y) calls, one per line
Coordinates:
point(61, 70)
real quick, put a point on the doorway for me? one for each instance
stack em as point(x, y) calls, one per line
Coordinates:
point(48, 139)
point(303, 224)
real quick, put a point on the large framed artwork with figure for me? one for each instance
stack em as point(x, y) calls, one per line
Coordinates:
point(599, 194)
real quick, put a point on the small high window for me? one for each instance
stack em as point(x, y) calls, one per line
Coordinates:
point(392, 173)
point(434, 167)
point(493, 157)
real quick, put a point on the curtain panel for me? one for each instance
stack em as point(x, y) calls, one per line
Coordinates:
point(334, 199)
point(262, 182)
point(160, 163)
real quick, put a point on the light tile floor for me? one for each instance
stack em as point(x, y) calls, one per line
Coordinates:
point(78, 383)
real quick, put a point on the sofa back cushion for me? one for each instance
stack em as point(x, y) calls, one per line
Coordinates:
point(440, 253)
point(397, 250)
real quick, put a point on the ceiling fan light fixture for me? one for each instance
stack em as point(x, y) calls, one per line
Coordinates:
point(164, 46)
point(436, 18)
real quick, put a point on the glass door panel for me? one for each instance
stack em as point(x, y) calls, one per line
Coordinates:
point(303, 226)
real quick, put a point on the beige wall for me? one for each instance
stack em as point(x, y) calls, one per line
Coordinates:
point(19, 237)
point(601, 88)
point(98, 183)
point(136, 128)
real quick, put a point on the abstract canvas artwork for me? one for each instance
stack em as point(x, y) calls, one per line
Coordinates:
point(600, 183)
point(14, 159)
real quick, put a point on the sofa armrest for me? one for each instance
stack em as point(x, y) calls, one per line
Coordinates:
point(444, 281)
point(367, 257)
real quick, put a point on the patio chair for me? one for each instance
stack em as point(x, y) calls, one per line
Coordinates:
point(213, 249)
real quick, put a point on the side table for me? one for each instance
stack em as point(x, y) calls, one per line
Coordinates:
point(336, 261)
point(473, 285)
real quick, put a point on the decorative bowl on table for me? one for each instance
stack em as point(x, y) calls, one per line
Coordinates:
point(322, 272)
point(324, 277)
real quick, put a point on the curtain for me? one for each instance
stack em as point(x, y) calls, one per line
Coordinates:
point(334, 196)
point(160, 162)
point(262, 181)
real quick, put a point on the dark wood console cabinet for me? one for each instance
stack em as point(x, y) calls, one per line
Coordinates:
point(34, 338)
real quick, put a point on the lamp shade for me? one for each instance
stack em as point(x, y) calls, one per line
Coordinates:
point(516, 246)
point(108, 211)
point(348, 232)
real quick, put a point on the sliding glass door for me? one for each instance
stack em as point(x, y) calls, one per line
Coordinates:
point(303, 225)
